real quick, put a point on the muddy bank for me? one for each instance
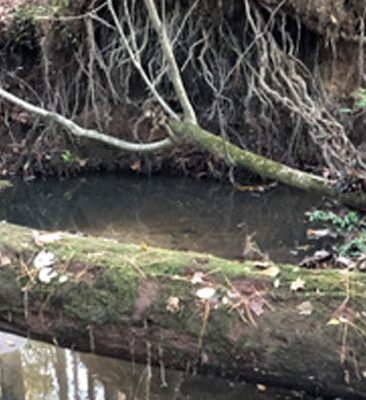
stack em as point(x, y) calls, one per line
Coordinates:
point(69, 58)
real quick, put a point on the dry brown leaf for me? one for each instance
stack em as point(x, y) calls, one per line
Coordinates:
point(305, 308)
point(173, 304)
point(4, 260)
point(197, 278)
point(272, 272)
point(257, 306)
point(136, 166)
point(41, 239)
point(297, 285)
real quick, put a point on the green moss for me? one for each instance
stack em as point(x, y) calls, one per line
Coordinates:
point(114, 271)
point(4, 184)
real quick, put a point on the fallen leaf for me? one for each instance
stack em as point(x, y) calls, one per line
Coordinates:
point(144, 247)
point(333, 19)
point(225, 301)
point(277, 283)
point(305, 308)
point(173, 304)
point(44, 259)
point(271, 272)
point(257, 306)
point(333, 322)
point(46, 275)
point(83, 162)
point(63, 279)
point(46, 238)
point(297, 285)
point(320, 233)
point(206, 293)
point(136, 166)
point(261, 388)
point(197, 278)
point(4, 260)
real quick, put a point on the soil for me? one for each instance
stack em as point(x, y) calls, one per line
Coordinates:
point(32, 148)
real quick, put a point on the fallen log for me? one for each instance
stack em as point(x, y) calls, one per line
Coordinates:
point(280, 326)
point(263, 166)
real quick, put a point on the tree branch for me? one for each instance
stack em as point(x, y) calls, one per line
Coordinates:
point(137, 64)
point(175, 75)
point(77, 130)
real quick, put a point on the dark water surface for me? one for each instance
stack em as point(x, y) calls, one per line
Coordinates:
point(163, 211)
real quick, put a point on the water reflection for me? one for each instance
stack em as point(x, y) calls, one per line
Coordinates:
point(162, 211)
point(34, 371)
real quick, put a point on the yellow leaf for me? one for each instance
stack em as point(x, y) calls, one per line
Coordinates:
point(144, 247)
point(333, 322)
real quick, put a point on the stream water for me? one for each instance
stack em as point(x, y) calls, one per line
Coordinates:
point(162, 211)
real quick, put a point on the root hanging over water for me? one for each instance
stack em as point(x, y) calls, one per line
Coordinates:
point(246, 67)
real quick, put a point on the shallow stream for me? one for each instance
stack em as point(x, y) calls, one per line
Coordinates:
point(162, 211)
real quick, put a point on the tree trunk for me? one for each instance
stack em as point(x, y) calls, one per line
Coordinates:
point(142, 303)
point(263, 166)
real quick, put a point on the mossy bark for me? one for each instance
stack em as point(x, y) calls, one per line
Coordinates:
point(136, 303)
point(263, 166)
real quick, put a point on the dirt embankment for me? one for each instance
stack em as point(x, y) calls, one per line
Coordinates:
point(65, 56)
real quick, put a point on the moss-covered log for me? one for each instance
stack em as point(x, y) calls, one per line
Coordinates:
point(263, 166)
point(140, 303)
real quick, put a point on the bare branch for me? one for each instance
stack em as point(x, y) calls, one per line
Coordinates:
point(175, 75)
point(77, 130)
point(134, 59)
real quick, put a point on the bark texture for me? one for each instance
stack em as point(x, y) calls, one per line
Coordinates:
point(263, 166)
point(140, 303)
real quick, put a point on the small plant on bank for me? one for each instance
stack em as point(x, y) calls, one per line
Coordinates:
point(359, 102)
point(354, 247)
point(67, 157)
point(351, 228)
point(348, 222)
